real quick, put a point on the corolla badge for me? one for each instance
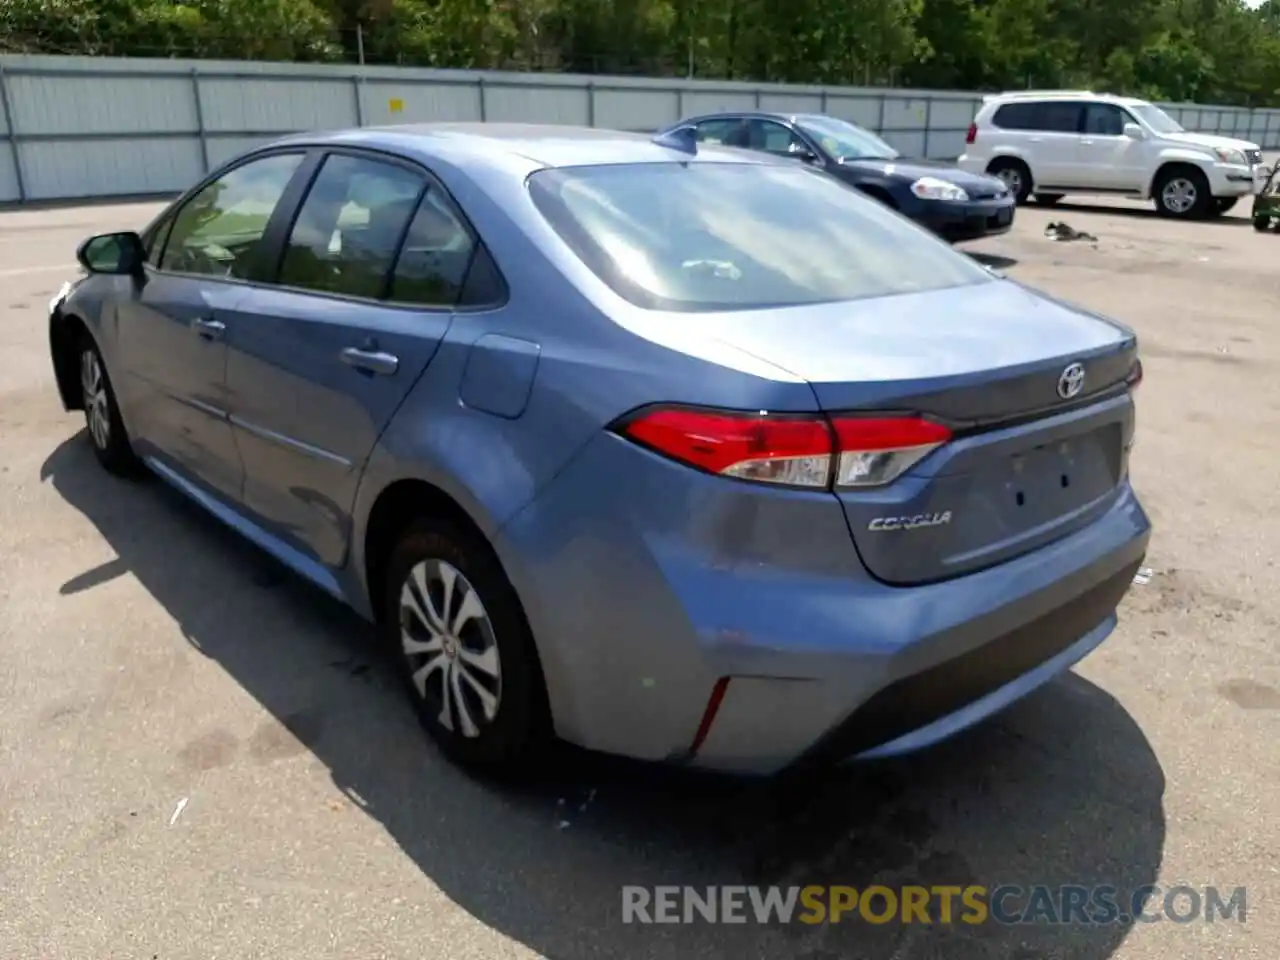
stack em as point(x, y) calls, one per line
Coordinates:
point(910, 523)
point(1071, 381)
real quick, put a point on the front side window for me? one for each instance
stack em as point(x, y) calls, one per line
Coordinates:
point(729, 132)
point(218, 231)
point(1104, 120)
point(350, 226)
point(771, 137)
point(725, 236)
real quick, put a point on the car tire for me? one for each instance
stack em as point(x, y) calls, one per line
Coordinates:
point(104, 425)
point(1016, 176)
point(1222, 205)
point(476, 684)
point(1182, 192)
point(1048, 199)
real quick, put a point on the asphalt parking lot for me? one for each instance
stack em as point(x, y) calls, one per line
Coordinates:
point(200, 757)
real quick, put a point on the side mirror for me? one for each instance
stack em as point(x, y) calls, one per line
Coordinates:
point(121, 254)
point(1134, 132)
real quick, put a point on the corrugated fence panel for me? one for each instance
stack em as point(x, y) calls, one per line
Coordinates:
point(101, 105)
point(525, 104)
point(384, 102)
point(8, 178)
point(252, 105)
point(88, 126)
point(56, 169)
point(637, 109)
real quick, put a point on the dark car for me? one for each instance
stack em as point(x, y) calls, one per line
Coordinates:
point(952, 203)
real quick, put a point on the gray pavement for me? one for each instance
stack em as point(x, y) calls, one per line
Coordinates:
point(151, 664)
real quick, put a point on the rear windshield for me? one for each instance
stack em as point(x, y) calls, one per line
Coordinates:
point(734, 236)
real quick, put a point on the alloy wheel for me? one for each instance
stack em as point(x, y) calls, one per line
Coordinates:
point(94, 387)
point(448, 639)
point(1179, 195)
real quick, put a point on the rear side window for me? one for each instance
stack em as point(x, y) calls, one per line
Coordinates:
point(729, 236)
point(1047, 116)
point(437, 253)
point(349, 228)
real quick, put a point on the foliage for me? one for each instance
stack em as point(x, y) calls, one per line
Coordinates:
point(1213, 51)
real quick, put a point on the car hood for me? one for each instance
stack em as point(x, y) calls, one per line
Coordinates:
point(1211, 140)
point(906, 169)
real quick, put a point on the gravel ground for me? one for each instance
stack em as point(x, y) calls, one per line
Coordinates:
point(200, 759)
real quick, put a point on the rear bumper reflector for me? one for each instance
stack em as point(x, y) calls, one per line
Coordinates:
point(708, 716)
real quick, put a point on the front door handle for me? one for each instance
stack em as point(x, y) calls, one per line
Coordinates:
point(371, 361)
point(209, 329)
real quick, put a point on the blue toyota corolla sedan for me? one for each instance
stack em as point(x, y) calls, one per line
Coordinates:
point(953, 203)
point(672, 451)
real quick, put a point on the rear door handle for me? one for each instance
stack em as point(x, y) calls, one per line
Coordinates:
point(371, 361)
point(209, 329)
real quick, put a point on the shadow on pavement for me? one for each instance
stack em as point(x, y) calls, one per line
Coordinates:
point(1237, 217)
point(993, 260)
point(1063, 789)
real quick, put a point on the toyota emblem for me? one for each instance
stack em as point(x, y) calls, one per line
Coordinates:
point(1071, 381)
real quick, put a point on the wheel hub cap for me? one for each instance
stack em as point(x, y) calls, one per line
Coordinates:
point(94, 391)
point(1179, 195)
point(449, 642)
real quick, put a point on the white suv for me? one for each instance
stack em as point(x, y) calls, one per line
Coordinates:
point(1053, 142)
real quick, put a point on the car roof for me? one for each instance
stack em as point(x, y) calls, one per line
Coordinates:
point(1048, 96)
point(522, 147)
point(754, 115)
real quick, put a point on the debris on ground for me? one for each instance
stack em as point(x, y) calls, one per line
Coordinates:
point(1143, 576)
point(1065, 233)
point(182, 805)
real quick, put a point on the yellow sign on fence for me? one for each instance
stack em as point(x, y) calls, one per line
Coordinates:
point(395, 105)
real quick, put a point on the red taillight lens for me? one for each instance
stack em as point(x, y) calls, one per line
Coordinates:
point(769, 448)
point(799, 451)
point(972, 135)
point(1135, 375)
point(876, 450)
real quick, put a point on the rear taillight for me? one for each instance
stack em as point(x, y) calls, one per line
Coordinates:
point(874, 451)
point(972, 135)
point(797, 451)
point(1134, 376)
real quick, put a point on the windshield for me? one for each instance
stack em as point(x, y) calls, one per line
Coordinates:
point(844, 141)
point(709, 236)
point(1157, 119)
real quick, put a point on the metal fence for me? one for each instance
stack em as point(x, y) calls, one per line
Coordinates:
point(84, 127)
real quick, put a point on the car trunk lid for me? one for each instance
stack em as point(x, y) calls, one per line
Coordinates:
point(1034, 392)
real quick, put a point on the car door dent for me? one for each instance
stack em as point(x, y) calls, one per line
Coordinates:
point(498, 375)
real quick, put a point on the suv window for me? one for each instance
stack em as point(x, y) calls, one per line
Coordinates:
point(709, 236)
point(349, 227)
point(432, 267)
point(1105, 119)
point(217, 232)
point(1051, 116)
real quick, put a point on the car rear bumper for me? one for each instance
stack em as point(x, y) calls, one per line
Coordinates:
point(966, 221)
point(648, 608)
